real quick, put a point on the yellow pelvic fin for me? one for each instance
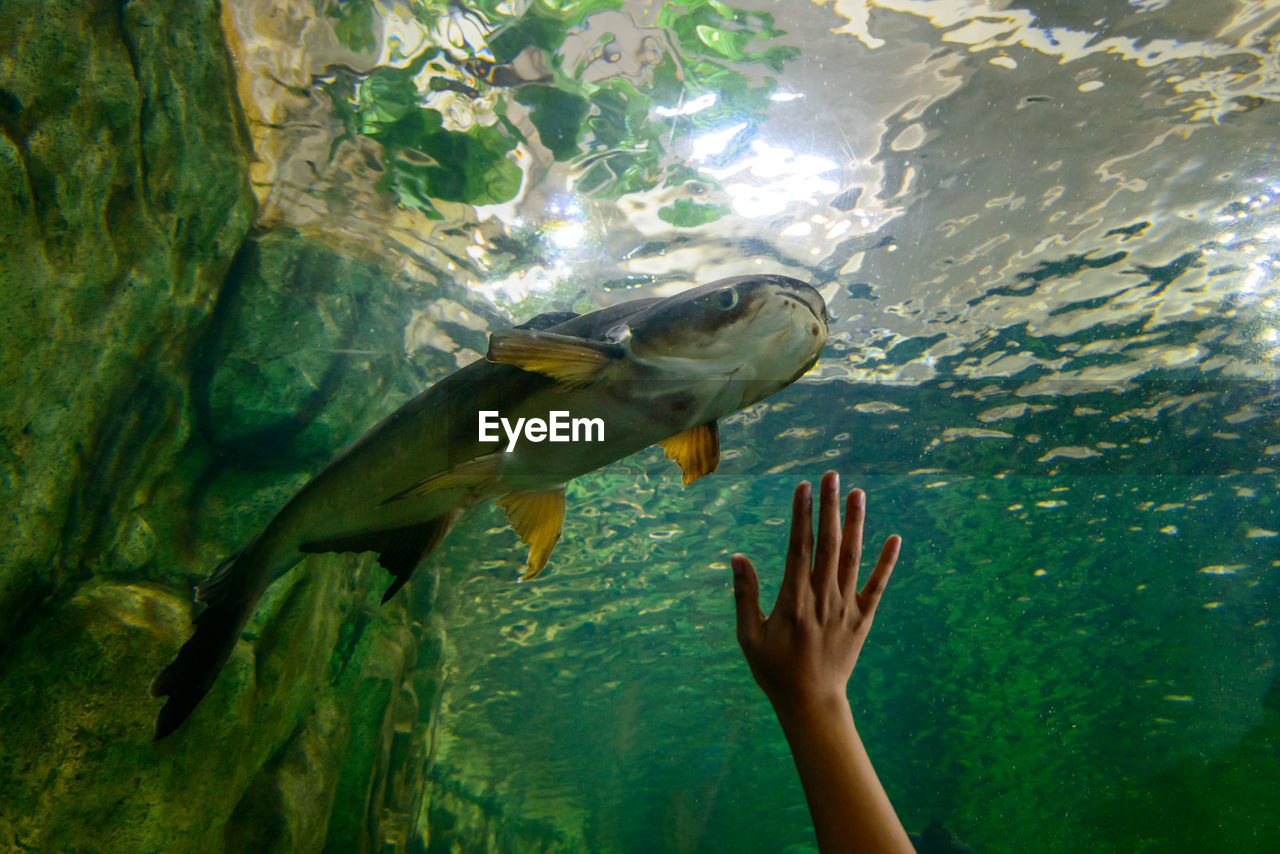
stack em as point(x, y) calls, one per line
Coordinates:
point(697, 450)
point(573, 362)
point(469, 474)
point(537, 518)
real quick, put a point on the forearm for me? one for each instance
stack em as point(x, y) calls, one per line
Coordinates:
point(849, 807)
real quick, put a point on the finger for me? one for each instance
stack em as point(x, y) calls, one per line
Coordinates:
point(869, 598)
point(828, 543)
point(746, 600)
point(795, 580)
point(855, 511)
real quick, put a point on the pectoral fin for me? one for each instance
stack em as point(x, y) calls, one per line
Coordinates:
point(537, 518)
point(697, 450)
point(573, 362)
point(400, 550)
point(470, 474)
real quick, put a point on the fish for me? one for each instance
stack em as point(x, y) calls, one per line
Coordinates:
point(656, 371)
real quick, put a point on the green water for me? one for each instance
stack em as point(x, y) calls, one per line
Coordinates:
point(1051, 653)
point(1048, 235)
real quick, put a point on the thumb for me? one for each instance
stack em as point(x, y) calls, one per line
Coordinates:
point(746, 597)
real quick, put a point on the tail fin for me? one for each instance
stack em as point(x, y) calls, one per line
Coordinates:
point(231, 593)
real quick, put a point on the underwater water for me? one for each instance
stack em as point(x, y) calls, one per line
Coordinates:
point(1048, 238)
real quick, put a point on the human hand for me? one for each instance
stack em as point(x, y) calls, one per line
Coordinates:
point(803, 653)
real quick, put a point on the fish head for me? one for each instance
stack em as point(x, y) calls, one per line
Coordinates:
point(759, 332)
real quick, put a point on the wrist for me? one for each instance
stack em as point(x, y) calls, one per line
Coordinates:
point(812, 709)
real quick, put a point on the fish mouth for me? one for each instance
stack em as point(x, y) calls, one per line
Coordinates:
point(808, 366)
point(814, 310)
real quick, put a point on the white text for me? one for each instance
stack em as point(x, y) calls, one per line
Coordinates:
point(558, 427)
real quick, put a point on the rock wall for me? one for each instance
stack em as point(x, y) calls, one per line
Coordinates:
point(167, 380)
point(123, 162)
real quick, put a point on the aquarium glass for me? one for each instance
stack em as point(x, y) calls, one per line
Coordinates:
point(1047, 235)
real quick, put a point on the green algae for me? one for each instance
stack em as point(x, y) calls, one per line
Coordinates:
point(124, 143)
point(130, 168)
point(300, 355)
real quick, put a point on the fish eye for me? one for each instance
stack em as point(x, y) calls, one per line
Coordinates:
point(726, 298)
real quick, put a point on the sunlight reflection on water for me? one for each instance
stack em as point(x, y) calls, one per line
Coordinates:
point(1049, 237)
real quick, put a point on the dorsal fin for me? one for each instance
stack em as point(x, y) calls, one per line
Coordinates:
point(697, 450)
point(400, 550)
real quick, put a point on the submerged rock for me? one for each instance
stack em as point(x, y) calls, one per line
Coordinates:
point(87, 774)
point(121, 143)
point(298, 359)
point(126, 159)
point(133, 415)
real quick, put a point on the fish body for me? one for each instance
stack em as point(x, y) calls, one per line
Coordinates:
point(653, 371)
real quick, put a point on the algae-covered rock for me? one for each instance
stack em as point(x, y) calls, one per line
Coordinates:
point(74, 720)
point(122, 149)
point(155, 363)
point(456, 820)
point(304, 349)
point(124, 160)
point(82, 771)
point(375, 683)
point(86, 774)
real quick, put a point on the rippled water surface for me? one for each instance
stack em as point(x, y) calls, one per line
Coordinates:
point(1049, 237)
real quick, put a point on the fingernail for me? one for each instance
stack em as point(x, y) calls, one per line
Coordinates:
point(736, 562)
point(806, 491)
point(859, 498)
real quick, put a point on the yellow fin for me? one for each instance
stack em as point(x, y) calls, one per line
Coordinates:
point(468, 474)
point(697, 450)
point(573, 362)
point(537, 518)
